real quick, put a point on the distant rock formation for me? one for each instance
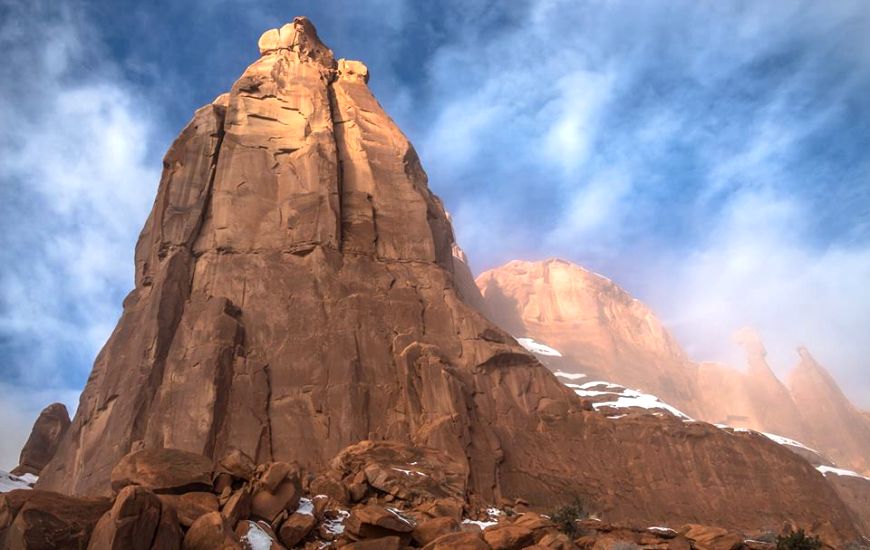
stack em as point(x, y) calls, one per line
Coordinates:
point(602, 332)
point(833, 424)
point(298, 292)
point(44, 439)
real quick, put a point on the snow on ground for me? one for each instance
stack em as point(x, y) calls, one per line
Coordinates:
point(336, 526)
point(790, 442)
point(633, 398)
point(840, 472)
point(398, 513)
point(492, 519)
point(410, 472)
point(257, 538)
point(662, 530)
point(608, 394)
point(538, 348)
point(9, 482)
point(306, 506)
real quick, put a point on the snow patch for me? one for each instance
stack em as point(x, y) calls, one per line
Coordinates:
point(411, 472)
point(786, 441)
point(257, 538)
point(306, 506)
point(492, 519)
point(398, 513)
point(663, 530)
point(336, 526)
point(825, 470)
point(538, 348)
point(9, 482)
point(634, 398)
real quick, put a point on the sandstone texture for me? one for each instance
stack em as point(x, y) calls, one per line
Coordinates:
point(44, 439)
point(601, 332)
point(297, 303)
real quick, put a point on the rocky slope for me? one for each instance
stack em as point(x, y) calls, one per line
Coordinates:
point(602, 332)
point(297, 293)
point(372, 495)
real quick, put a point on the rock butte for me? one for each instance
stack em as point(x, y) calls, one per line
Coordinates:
point(606, 334)
point(298, 291)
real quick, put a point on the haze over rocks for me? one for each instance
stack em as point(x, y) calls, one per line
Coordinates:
point(305, 343)
point(603, 333)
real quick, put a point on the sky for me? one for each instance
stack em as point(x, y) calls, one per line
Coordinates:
point(711, 157)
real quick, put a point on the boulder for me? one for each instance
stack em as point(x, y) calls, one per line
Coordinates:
point(382, 543)
point(268, 505)
point(44, 439)
point(169, 535)
point(257, 536)
point(131, 523)
point(190, 506)
point(163, 471)
point(210, 532)
point(276, 473)
point(458, 541)
point(410, 473)
point(429, 530)
point(707, 537)
point(295, 528)
point(237, 507)
point(238, 464)
point(42, 520)
point(373, 521)
point(508, 537)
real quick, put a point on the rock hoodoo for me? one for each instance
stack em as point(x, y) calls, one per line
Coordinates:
point(44, 439)
point(296, 294)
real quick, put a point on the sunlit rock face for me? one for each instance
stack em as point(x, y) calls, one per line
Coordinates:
point(601, 332)
point(298, 290)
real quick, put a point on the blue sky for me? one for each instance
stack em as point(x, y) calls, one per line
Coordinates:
point(709, 156)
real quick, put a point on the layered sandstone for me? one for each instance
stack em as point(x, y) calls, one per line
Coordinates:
point(50, 426)
point(600, 331)
point(297, 292)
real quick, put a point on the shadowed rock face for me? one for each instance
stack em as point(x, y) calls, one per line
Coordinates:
point(44, 439)
point(295, 294)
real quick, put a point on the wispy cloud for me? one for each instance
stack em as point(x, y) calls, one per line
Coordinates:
point(710, 156)
point(77, 180)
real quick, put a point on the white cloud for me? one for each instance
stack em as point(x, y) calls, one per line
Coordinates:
point(77, 180)
point(583, 95)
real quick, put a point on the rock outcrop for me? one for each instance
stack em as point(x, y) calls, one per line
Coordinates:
point(598, 330)
point(296, 294)
point(44, 439)
point(833, 424)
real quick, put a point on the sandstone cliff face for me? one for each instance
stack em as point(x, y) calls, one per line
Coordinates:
point(603, 332)
point(754, 398)
point(833, 423)
point(600, 329)
point(296, 292)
